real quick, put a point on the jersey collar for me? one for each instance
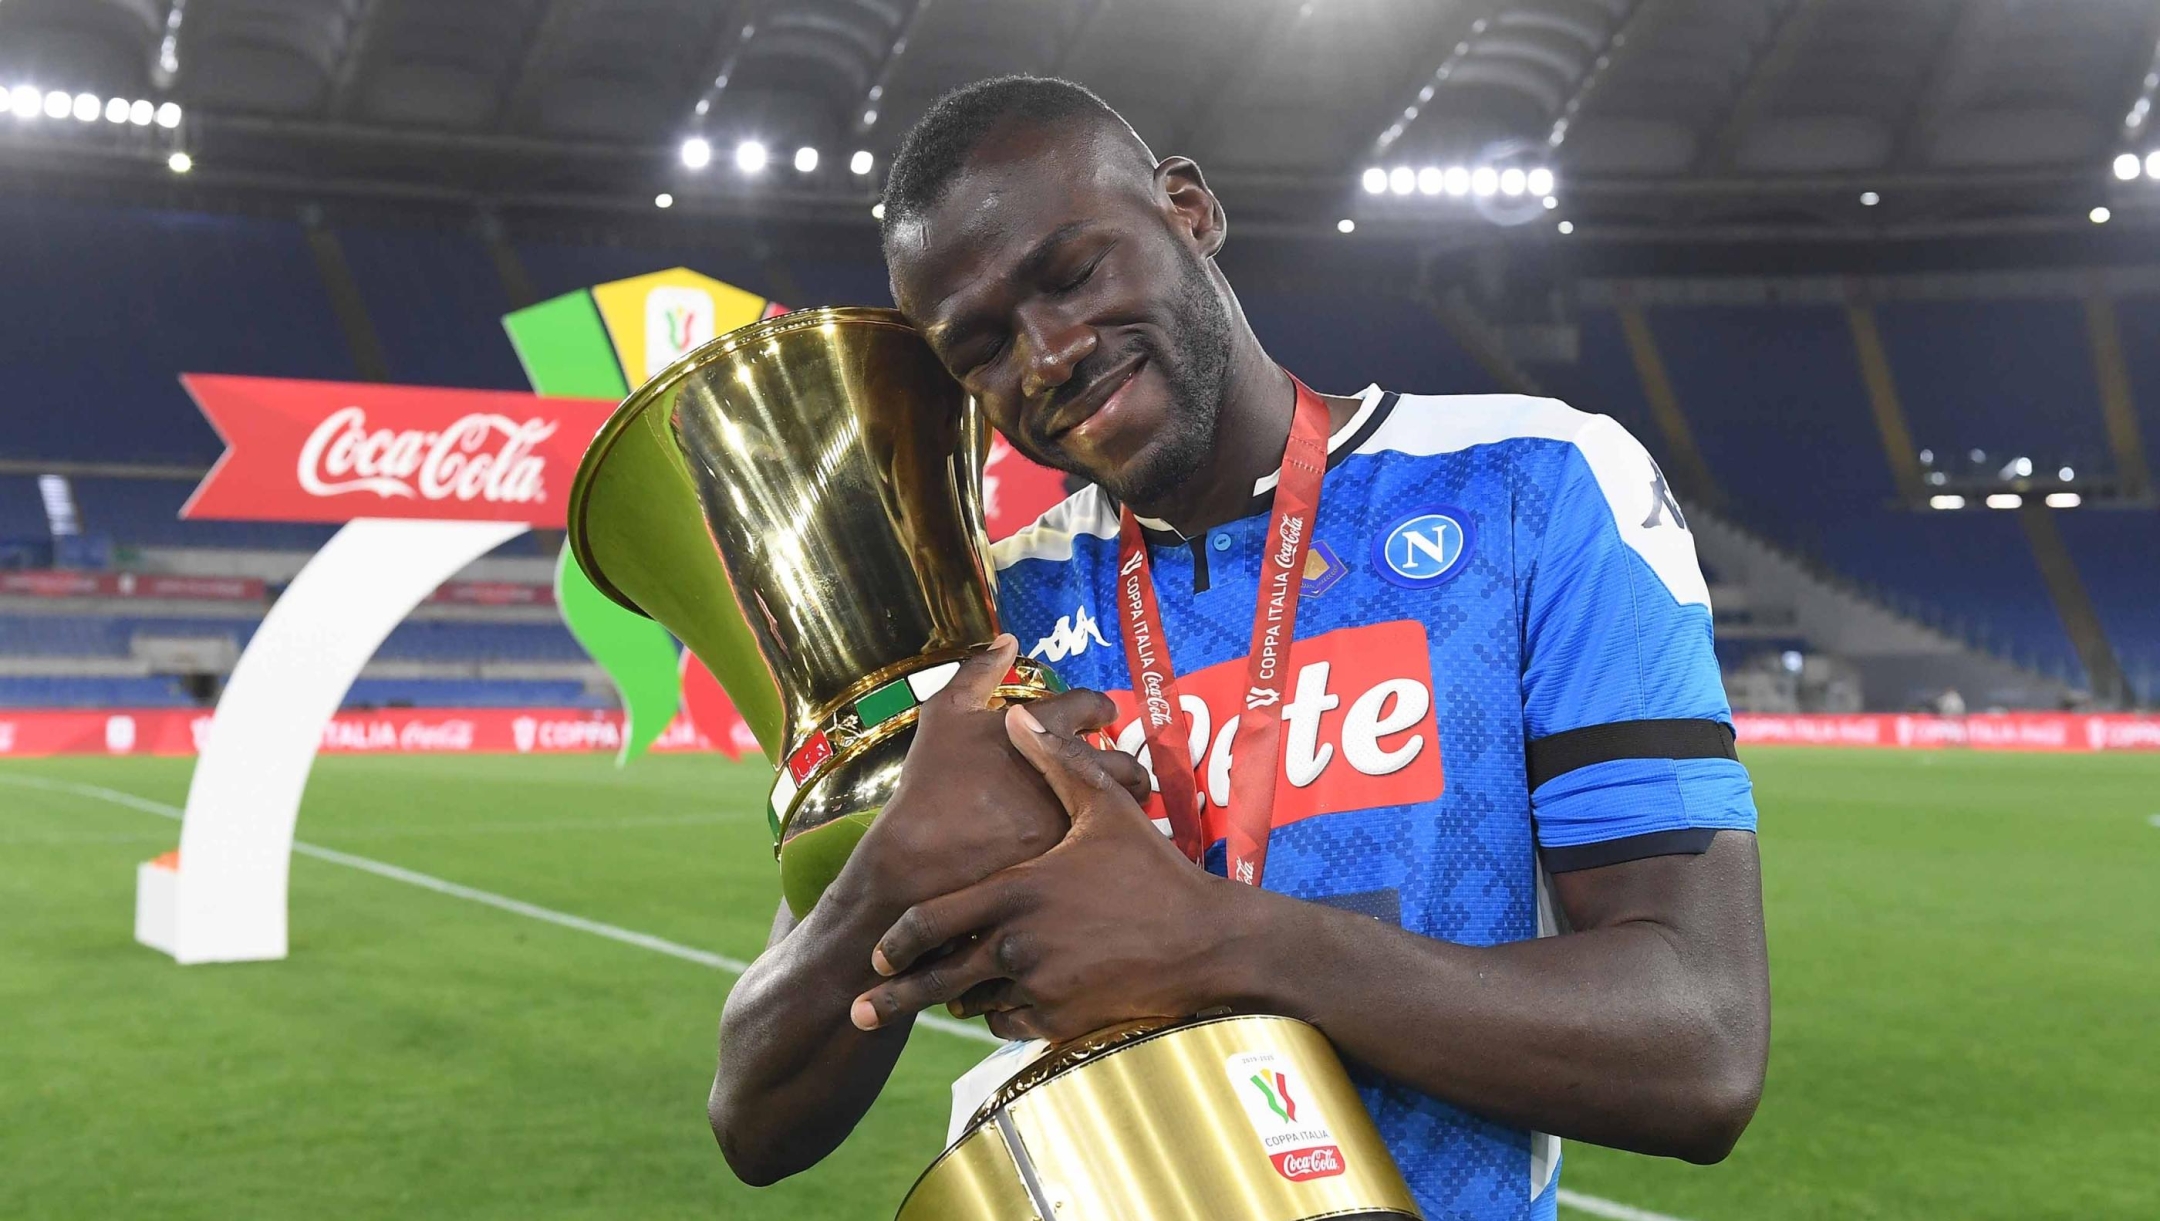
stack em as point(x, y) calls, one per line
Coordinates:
point(1373, 407)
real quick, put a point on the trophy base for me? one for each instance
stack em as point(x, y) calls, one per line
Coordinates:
point(1242, 1118)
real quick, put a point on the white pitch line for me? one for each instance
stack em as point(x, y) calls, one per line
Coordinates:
point(1613, 1209)
point(1594, 1205)
point(488, 898)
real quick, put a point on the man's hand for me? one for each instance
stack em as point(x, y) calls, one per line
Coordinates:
point(794, 1075)
point(967, 805)
point(1112, 923)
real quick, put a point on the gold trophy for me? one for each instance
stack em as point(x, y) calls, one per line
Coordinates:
point(800, 502)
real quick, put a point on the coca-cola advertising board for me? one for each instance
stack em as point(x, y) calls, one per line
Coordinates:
point(333, 451)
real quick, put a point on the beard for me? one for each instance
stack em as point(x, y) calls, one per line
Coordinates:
point(1196, 370)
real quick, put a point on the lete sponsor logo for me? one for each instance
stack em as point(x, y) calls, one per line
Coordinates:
point(1284, 1115)
point(333, 451)
point(1358, 726)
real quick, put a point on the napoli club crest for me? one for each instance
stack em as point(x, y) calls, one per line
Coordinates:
point(1425, 548)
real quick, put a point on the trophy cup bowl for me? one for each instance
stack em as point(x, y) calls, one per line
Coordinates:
point(800, 503)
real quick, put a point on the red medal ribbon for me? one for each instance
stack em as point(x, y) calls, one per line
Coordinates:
point(1257, 743)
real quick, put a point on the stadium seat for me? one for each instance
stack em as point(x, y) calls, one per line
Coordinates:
point(437, 305)
point(123, 299)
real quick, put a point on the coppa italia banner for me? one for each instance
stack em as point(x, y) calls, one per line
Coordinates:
point(524, 731)
point(334, 451)
point(2031, 731)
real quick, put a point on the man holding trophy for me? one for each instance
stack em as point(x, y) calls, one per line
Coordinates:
point(1503, 859)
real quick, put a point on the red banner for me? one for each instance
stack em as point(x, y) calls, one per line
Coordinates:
point(181, 731)
point(62, 583)
point(2030, 731)
point(334, 451)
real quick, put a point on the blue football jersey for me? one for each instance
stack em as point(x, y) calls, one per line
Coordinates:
point(1502, 670)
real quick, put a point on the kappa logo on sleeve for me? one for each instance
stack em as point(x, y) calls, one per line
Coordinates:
point(1358, 728)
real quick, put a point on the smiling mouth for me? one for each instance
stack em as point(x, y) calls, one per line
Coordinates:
point(1095, 398)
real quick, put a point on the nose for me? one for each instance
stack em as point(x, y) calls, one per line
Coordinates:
point(1052, 348)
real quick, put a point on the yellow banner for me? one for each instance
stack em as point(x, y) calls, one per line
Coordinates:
point(656, 319)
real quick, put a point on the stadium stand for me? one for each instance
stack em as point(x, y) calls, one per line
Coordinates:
point(1772, 393)
point(174, 283)
point(2007, 378)
point(2126, 594)
point(437, 305)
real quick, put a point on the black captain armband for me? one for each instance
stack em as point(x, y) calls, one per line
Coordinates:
point(1556, 755)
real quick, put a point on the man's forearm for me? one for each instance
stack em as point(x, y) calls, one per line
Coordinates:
point(795, 1075)
point(1626, 1035)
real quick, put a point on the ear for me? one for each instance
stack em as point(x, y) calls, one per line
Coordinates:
point(1193, 208)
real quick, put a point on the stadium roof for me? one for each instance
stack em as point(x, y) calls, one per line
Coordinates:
point(1657, 116)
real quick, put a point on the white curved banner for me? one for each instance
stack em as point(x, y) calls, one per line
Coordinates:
point(227, 902)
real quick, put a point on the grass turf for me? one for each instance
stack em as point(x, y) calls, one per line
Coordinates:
point(1963, 952)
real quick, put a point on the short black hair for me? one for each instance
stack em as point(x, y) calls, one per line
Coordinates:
point(934, 150)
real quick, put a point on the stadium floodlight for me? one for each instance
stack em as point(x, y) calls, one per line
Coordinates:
point(116, 110)
point(663, 200)
point(1429, 180)
point(58, 104)
point(1869, 199)
point(750, 157)
point(2022, 468)
point(2064, 500)
point(87, 107)
point(1927, 457)
point(1346, 225)
point(168, 115)
point(1402, 180)
point(861, 162)
point(1375, 180)
point(1567, 227)
point(877, 210)
point(2066, 474)
point(2005, 500)
point(180, 163)
point(1979, 457)
point(869, 117)
point(142, 113)
point(28, 101)
point(1512, 181)
point(805, 159)
point(1937, 478)
point(1484, 182)
point(2127, 166)
point(1946, 502)
point(697, 152)
point(2100, 215)
point(7, 100)
point(1457, 180)
point(1540, 181)
point(2152, 164)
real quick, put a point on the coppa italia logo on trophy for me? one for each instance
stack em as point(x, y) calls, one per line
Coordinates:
point(334, 451)
point(1285, 1118)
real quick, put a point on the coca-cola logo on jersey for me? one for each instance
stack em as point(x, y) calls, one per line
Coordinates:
point(1358, 727)
point(477, 457)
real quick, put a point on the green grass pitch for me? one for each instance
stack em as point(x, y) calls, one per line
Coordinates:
point(1965, 953)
